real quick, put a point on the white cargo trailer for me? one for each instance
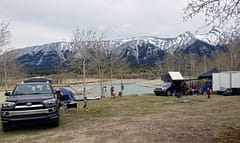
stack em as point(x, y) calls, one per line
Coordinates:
point(224, 80)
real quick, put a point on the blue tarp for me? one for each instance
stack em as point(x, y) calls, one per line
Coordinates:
point(68, 96)
point(65, 91)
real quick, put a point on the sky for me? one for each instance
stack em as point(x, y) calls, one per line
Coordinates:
point(37, 22)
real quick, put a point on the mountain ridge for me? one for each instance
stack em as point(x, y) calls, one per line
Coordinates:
point(143, 50)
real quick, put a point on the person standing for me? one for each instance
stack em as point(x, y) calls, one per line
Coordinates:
point(208, 92)
point(105, 91)
point(112, 92)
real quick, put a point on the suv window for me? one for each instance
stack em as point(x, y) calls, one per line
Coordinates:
point(166, 84)
point(32, 89)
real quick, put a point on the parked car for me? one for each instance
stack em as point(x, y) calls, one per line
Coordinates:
point(30, 102)
point(231, 91)
point(161, 89)
point(170, 88)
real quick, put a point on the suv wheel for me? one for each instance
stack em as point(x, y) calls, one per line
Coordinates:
point(56, 123)
point(156, 93)
point(6, 127)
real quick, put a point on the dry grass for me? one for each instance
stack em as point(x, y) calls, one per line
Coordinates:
point(142, 119)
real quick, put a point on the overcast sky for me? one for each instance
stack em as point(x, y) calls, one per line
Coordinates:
point(35, 22)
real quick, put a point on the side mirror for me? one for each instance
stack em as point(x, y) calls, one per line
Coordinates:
point(57, 91)
point(57, 94)
point(7, 94)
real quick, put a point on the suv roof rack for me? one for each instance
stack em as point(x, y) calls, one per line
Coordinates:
point(37, 79)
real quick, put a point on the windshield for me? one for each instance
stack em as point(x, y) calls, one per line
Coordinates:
point(166, 84)
point(31, 89)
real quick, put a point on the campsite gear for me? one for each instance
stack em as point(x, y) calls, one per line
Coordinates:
point(72, 105)
point(70, 100)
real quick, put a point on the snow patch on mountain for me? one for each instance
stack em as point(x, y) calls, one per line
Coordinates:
point(213, 37)
point(171, 45)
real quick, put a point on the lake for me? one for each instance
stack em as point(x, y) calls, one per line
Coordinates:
point(130, 87)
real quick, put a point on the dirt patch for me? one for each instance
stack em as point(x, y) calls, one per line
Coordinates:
point(230, 135)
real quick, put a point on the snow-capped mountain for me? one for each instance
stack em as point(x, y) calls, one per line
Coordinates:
point(144, 50)
point(59, 47)
point(213, 37)
point(172, 45)
point(48, 57)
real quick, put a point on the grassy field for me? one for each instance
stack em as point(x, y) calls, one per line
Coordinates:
point(141, 119)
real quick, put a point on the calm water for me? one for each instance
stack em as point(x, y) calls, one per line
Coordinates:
point(130, 87)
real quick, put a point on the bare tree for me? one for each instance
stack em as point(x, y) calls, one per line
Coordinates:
point(82, 41)
point(169, 62)
point(160, 67)
point(234, 52)
point(220, 61)
point(220, 13)
point(4, 40)
point(193, 63)
point(114, 61)
point(4, 35)
point(216, 11)
point(90, 51)
point(97, 59)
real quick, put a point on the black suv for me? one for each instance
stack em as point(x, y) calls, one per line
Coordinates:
point(168, 88)
point(32, 101)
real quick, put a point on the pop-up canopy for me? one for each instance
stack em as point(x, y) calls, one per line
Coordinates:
point(208, 74)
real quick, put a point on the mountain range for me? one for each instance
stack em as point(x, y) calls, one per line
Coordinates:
point(145, 50)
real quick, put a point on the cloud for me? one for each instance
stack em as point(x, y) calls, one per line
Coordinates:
point(36, 22)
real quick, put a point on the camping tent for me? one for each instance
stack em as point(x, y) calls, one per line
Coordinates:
point(67, 95)
point(208, 74)
point(171, 76)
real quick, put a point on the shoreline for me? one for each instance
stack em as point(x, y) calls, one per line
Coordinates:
point(77, 87)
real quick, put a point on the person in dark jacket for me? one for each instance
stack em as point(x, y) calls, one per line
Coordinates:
point(112, 92)
point(208, 92)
